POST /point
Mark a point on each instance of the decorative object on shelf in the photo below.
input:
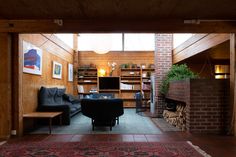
(134, 66)
(143, 66)
(57, 70)
(70, 72)
(152, 66)
(113, 66)
(32, 59)
(92, 65)
(101, 72)
(123, 66)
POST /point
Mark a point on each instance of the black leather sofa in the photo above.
(102, 111)
(55, 99)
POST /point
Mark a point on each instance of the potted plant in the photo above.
(177, 72)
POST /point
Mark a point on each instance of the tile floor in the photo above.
(129, 123)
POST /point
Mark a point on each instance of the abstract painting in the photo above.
(57, 70)
(32, 59)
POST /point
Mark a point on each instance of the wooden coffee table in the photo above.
(48, 115)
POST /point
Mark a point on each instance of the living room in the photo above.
(46, 42)
(85, 61)
(19, 89)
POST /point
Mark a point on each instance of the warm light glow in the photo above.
(221, 68)
(221, 71)
(101, 72)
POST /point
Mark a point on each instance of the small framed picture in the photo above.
(70, 72)
(57, 70)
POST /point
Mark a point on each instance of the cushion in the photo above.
(71, 98)
(46, 96)
(58, 96)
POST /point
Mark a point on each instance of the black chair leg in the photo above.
(93, 124)
(117, 118)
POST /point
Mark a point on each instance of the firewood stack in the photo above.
(176, 118)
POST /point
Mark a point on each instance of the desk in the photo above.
(48, 115)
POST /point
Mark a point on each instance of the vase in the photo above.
(111, 73)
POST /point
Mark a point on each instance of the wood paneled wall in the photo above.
(5, 85)
(197, 44)
(53, 50)
(120, 57)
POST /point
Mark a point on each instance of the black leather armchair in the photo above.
(55, 99)
(103, 112)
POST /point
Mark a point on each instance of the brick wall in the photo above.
(163, 62)
(207, 103)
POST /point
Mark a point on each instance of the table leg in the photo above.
(60, 119)
(50, 125)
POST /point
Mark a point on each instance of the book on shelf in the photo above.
(80, 88)
(126, 86)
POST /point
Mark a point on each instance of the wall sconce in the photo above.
(222, 71)
(101, 72)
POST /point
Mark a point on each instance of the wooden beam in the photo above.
(16, 83)
(199, 44)
(75, 61)
(5, 86)
(139, 25)
(232, 83)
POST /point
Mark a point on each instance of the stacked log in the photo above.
(176, 118)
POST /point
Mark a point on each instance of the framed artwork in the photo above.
(57, 70)
(70, 72)
(32, 59)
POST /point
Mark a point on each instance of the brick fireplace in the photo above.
(207, 104)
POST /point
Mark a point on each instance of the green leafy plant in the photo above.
(177, 72)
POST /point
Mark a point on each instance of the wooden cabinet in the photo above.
(146, 82)
(87, 80)
(134, 80)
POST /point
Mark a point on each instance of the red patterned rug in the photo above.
(98, 149)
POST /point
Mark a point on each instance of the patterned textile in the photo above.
(98, 149)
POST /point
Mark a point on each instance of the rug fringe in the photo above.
(1, 143)
(198, 149)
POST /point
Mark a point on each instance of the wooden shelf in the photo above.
(222, 73)
(130, 90)
(92, 82)
(130, 69)
(130, 82)
(146, 90)
(148, 69)
(109, 90)
(131, 76)
(146, 82)
(88, 78)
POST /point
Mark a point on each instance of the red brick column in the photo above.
(163, 62)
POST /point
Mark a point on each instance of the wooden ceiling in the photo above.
(118, 9)
(217, 55)
(120, 15)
